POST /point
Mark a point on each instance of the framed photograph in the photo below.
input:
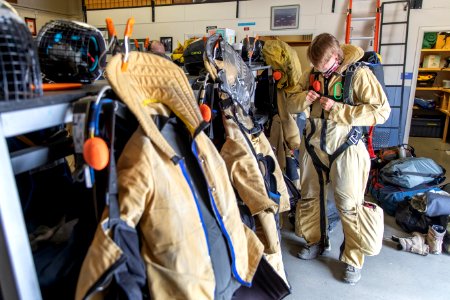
(284, 17)
(167, 42)
(31, 24)
(134, 48)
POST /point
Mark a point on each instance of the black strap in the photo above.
(348, 80)
(225, 103)
(272, 93)
(323, 225)
(353, 137)
(310, 149)
(320, 168)
(203, 125)
(325, 93)
(112, 188)
(400, 173)
(323, 134)
(210, 89)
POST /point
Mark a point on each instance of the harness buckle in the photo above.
(355, 136)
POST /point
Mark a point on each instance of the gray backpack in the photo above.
(409, 172)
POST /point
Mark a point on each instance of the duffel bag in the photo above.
(409, 172)
(390, 195)
(433, 203)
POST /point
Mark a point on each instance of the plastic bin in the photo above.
(426, 127)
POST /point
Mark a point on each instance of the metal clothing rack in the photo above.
(18, 278)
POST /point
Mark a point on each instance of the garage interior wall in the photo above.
(46, 10)
(180, 21)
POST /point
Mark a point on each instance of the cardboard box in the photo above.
(431, 61)
(228, 35)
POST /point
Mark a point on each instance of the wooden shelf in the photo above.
(435, 50)
(428, 89)
(436, 88)
(434, 70)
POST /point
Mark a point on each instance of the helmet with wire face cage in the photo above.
(71, 51)
(20, 76)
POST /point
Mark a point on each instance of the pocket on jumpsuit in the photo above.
(371, 228)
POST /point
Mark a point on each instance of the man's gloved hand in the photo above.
(415, 244)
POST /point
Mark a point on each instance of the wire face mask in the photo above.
(331, 70)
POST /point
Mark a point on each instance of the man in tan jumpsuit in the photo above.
(330, 125)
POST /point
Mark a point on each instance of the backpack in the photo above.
(388, 154)
(371, 60)
(411, 220)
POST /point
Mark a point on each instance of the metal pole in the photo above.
(18, 278)
(153, 11)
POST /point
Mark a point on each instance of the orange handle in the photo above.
(129, 27)
(147, 42)
(136, 43)
(316, 86)
(111, 29)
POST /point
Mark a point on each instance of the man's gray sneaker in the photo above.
(311, 251)
(352, 275)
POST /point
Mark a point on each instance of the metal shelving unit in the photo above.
(18, 278)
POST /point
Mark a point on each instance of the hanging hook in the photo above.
(128, 32)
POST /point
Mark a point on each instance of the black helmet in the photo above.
(71, 51)
(193, 57)
(20, 76)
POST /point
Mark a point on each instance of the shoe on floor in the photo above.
(311, 251)
(352, 275)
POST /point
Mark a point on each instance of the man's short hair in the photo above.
(322, 48)
(157, 47)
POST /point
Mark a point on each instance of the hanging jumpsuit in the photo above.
(325, 132)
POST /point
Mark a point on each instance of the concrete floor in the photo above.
(390, 275)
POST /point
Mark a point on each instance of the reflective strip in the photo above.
(188, 180)
(222, 225)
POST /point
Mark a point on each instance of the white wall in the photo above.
(315, 17)
(46, 10)
(177, 21)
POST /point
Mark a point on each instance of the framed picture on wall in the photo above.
(284, 17)
(31, 24)
(167, 42)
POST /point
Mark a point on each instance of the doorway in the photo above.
(429, 108)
